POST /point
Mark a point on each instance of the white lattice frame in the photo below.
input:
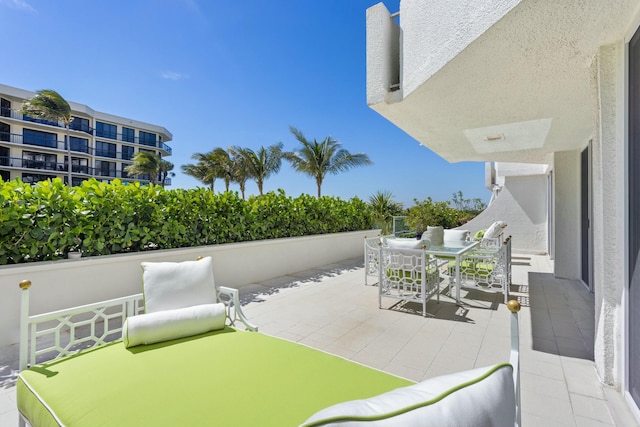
(488, 268)
(34, 328)
(371, 252)
(407, 275)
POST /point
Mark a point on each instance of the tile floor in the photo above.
(331, 309)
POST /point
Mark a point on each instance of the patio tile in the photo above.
(588, 422)
(7, 400)
(547, 369)
(582, 378)
(547, 409)
(573, 348)
(535, 420)
(544, 386)
(404, 371)
(9, 418)
(445, 364)
(589, 407)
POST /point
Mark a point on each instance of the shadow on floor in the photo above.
(259, 292)
(562, 316)
(447, 309)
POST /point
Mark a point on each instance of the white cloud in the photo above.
(18, 4)
(172, 75)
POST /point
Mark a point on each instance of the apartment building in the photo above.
(102, 145)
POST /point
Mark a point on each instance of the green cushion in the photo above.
(396, 275)
(226, 378)
(479, 235)
(464, 265)
(485, 266)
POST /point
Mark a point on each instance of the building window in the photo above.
(124, 173)
(5, 107)
(78, 165)
(147, 138)
(44, 139)
(79, 144)
(5, 160)
(5, 132)
(127, 152)
(41, 121)
(33, 160)
(105, 149)
(128, 135)
(80, 124)
(105, 168)
(74, 181)
(32, 178)
(106, 130)
(5, 175)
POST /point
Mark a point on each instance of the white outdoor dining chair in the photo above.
(407, 274)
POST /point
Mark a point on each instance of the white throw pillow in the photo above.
(172, 324)
(494, 230)
(480, 397)
(405, 244)
(456, 236)
(171, 285)
(434, 235)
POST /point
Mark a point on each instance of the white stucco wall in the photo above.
(435, 32)
(522, 204)
(608, 166)
(567, 214)
(521, 169)
(383, 53)
(66, 283)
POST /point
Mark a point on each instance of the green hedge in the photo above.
(430, 213)
(46, 220)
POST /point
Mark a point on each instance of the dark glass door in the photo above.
(585, 221)
(633, 360)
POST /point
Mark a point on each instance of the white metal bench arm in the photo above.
(53, 335)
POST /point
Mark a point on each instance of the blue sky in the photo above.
(237, 72)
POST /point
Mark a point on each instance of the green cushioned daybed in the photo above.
(227, 378)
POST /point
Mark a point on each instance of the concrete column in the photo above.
(609, 206)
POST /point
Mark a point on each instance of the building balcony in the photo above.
(76, 126)
(45, 143)
(43, 165)
(508, 81)
(73, 126)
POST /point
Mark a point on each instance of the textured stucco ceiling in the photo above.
(523, 89)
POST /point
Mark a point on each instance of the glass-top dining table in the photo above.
(452, 251)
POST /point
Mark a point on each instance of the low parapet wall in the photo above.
(69, 283)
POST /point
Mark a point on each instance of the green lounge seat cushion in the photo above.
(225, 377)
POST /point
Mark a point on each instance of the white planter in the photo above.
(74, 255)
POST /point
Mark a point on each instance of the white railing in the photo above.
(49, 336)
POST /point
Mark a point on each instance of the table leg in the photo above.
(458, 279)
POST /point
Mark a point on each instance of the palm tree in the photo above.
(49, 105)
(200, 172)
(205, 170)
(225, 167)
(261, 164)
(145, 163)
(239, 170)
(165, 171)
(318, 159)
(384, 208)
